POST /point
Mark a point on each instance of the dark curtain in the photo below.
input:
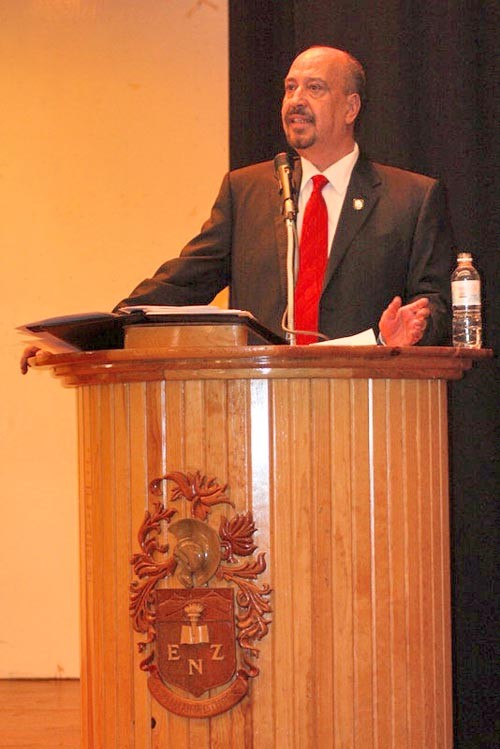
(432, 109)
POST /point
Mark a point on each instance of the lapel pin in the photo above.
(358, 204)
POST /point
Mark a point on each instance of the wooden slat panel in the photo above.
(171, 727)
(341, 568)
(321, 545)
(361, 567)
(137, 450)
(249, 485)
(237, 726)
(433, 459)
(95, 541)
(175, 428)
(383, 685)
(281, 534)
(438, 439)
(215, 417)
(347, 483)
(85, 489)
(254, 400)
(155, 458)
(195, 456)
(428, 652)
(108, 626)
(300, 451)
(121, 506)
(398, 555)
(413, 474)
(445, 598)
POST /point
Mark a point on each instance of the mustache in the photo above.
(299, 110)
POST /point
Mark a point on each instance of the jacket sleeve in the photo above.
(202, 269)
(431, 264)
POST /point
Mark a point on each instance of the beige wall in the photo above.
(110, 108)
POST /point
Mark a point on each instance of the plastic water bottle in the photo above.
(466, 302)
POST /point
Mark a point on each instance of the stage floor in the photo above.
(38, 714)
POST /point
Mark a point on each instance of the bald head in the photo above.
(323, 91)
(344, 63)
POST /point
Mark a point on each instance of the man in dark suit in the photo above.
(390, 241)
(389, 235)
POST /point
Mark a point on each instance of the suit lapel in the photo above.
(361, 197)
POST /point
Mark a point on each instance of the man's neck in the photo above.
(322, 160)
(338, 174)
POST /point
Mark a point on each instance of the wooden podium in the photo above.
(339, 457)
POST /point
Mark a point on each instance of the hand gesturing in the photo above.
(404, 325)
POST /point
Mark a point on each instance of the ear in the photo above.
(353, 107)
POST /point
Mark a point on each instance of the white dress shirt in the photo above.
(338, 176)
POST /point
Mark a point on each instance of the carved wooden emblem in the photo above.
(198, 606)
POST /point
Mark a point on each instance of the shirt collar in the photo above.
(338, 174)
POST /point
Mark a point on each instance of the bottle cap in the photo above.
(464, 256)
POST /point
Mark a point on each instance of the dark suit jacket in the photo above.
(398, 242)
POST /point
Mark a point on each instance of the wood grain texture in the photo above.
(40, 714)
(253, 362)
(347, 481)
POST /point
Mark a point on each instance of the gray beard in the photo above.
(301, 141)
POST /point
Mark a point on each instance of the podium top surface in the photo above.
(259, 362)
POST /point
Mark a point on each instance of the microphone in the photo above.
(283, 170)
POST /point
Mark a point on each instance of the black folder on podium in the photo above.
(95, 331)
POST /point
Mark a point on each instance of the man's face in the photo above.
(317, 113)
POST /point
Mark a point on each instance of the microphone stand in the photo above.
(292, 244)
(283, 170)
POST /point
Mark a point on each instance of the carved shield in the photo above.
(196, 642)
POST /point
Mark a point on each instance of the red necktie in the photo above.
(312, 262)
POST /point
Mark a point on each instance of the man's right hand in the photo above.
(27, 354)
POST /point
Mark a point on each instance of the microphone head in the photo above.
(283, 172)
(282, 159)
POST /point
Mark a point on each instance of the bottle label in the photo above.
(465, 293)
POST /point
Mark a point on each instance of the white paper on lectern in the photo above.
(201, 309)
(365, 338)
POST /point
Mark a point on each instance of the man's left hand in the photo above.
(404, 325)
